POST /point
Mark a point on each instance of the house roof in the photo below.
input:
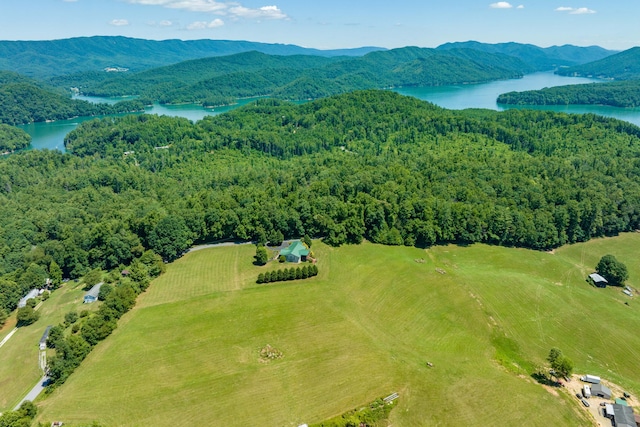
(598, 278)
(623, 416)
(296, 248)
(93, 292)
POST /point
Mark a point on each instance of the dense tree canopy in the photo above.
(613, 270)
(615, 94)
(367, 165)
(12, 138)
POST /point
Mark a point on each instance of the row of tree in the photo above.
(288, 274)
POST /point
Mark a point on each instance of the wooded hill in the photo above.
(366, 165)
(615, 94)
(213, 81)
(538, 58)
(80, 54)
(621, 66)
(26, 103)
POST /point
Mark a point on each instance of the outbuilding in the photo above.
(43, 340)
(623, 416)
(32, 294)
(92, 295)
(597, 280)
(601, 390)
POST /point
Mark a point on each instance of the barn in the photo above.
(295, 252)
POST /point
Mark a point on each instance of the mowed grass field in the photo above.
(19, 366)
(365, 327)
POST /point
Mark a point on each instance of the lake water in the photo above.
(51, 135)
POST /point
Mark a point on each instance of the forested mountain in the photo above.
(81, 54)
(615, 94)
(621, 66)
(304, 77)
(25, 103)
(373, 164)
(538, 58)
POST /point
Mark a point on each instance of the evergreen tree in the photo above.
(55, 274)
(261, 255)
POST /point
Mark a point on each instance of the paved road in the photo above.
(217, 245)
(35, 391)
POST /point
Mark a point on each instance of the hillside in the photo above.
(26, 103)
(621, 66)
(483, 316)
(305, 77)
(538, 58)
(75, 55)
(615, 94)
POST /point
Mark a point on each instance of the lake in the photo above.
(51, 135)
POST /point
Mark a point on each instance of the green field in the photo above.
(19, 370)
(188, 354)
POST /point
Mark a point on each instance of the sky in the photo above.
(331, 24)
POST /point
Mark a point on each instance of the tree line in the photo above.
(366, 165)
(615, 94)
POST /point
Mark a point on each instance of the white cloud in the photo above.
(119, 22)
(501, 5)
(165, 23)
(266, 12)
(582, 11)
(520, 7)
(575, 11)
(201, 25)
(232, 9)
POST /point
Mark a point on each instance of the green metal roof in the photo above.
(621, 402)
(296, 248)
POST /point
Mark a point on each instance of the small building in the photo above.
(32, 294)
(92, 295)
(621, 402)
(597, 280)
(601, 390)
(591, 379)
(43, 340)
(623, 416)
(295, 252)
(628, 293)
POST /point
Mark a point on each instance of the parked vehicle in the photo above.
(585, 403)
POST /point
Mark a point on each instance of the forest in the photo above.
(615, 94)
(365, 165)
(26, 103)
(12, 138)
(211, 81)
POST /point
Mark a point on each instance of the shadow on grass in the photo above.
(545, 380)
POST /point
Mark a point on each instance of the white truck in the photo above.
(586, 391)
(591, 379)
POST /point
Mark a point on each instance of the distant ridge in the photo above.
(621, 66)
(81, 54)
(540, 59)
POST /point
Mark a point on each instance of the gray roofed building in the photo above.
(92, 295)
(598, 280)
(43, 340)
(32, 294)
(623, 416)
(601, 390)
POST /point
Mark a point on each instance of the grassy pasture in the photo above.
(188, 354)
(19, 370)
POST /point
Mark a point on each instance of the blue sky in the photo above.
(331, 23)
